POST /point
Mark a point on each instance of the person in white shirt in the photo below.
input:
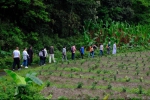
(114, 48)
(16, 57)
(25, 57)
(64, 56)
(101, 49)
(45, 52)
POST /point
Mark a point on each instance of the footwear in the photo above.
(13, 69)
(26, 67)
(21, 65)
(19, 69)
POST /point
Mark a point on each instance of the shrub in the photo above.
(2, 63)
(94, 85)
(80, 84)
(140, 90)
(141, 79)
(48, 83)
(98, 71)
(109, 86)
(124, 89)
(71, 75)
(147, 73)
(75, 69)
(127, 78)
(26, 87)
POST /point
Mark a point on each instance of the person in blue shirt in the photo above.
(82, 51)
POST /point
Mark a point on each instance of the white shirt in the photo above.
(16, 53)
(101, 47)
(114, 46)
(64, 51)
(45, 51)
(25, 55)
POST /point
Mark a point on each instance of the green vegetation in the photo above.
(70, 82)
(25, 87)
(82, 23)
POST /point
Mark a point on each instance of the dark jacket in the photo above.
(51, 50)
(30, 52)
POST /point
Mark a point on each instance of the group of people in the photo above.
(28, 54)
(43, 54)
(108, 47)
(27, 57)
(91, 50)
(101, 49)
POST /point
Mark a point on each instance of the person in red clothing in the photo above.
(73, 50)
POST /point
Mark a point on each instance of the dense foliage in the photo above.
(66, 22)
(21, 87)
(132, 11)
(26, 22)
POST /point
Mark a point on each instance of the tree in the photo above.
(68, 15)
(131, 11)
(141, 10)
(116, 10)
(24, 13)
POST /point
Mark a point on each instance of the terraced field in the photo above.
(122, 76)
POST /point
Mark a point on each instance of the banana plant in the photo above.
(117, 31)
(88, 40)
(23, 82)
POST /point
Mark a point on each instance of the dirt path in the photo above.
(2, 73)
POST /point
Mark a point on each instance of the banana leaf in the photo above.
(19, 80)
(32, 77)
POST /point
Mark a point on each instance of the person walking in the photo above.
(51, 54)
(64, 55)
(45, 52)
(41, 55)
(73, 50)
(108, 48)
(114, 48)
(101, 49)
(30, 52)
(16, 57)
(82, 51)
(25, 57)
(92, 51)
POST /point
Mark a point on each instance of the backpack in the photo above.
(40, 53)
